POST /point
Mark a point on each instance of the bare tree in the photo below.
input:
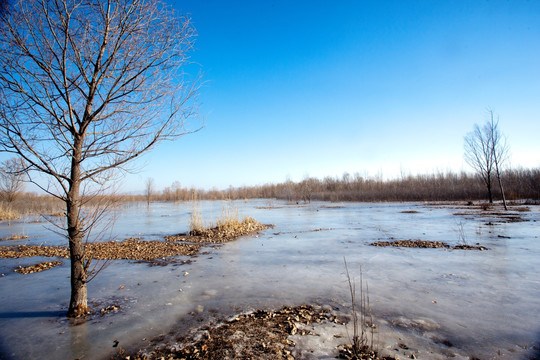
(479, 156)
(485, 151)
(85, 88)
(499, 148)
(12, 177)
(149, 189)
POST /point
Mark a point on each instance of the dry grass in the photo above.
(8, 214)
(196, 222)
(229, 226)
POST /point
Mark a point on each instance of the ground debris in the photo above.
(129, 249)
(412, 244)
(37, 267)
(262, 334)
(135, 249)
(428, 244)
(33, 250)
(470, 247)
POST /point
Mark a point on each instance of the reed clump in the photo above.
(229, 226)
(361, 346)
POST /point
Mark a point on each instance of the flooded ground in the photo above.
(433, 303)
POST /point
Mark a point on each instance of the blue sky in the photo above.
(319, 88)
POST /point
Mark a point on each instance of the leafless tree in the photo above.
(86, 87)
(485, 152)
(500, 150)
(479, 156)
(149, 189)
(12, 177)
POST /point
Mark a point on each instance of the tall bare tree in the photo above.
(12, 177)
(86, 86)
(485, 152)
(500, 150)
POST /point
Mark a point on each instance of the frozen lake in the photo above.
(441, 303)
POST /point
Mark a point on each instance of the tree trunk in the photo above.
(488, 185)
(501, 186)
(78, 305)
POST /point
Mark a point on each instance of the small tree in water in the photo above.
(85, 88)
(485, 152)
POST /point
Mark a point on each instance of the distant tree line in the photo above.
(449, 186)
(520, 184)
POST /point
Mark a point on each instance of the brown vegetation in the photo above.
(229, 226)
(225, 231)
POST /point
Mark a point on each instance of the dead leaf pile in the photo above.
(412, 244)
(428, 244)
(135, 249)
(33, 250)
(37, 267)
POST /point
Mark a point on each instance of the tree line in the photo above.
(448, 186)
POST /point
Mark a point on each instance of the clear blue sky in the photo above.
(319, 88)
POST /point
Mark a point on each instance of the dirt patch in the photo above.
(412, 244)
(427, 244)
(37, 267)
(259, 335)
(470, 247)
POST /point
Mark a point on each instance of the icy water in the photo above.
(436, 303)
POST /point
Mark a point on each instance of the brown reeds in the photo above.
(230, 225)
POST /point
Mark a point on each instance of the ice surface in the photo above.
(437, 303)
